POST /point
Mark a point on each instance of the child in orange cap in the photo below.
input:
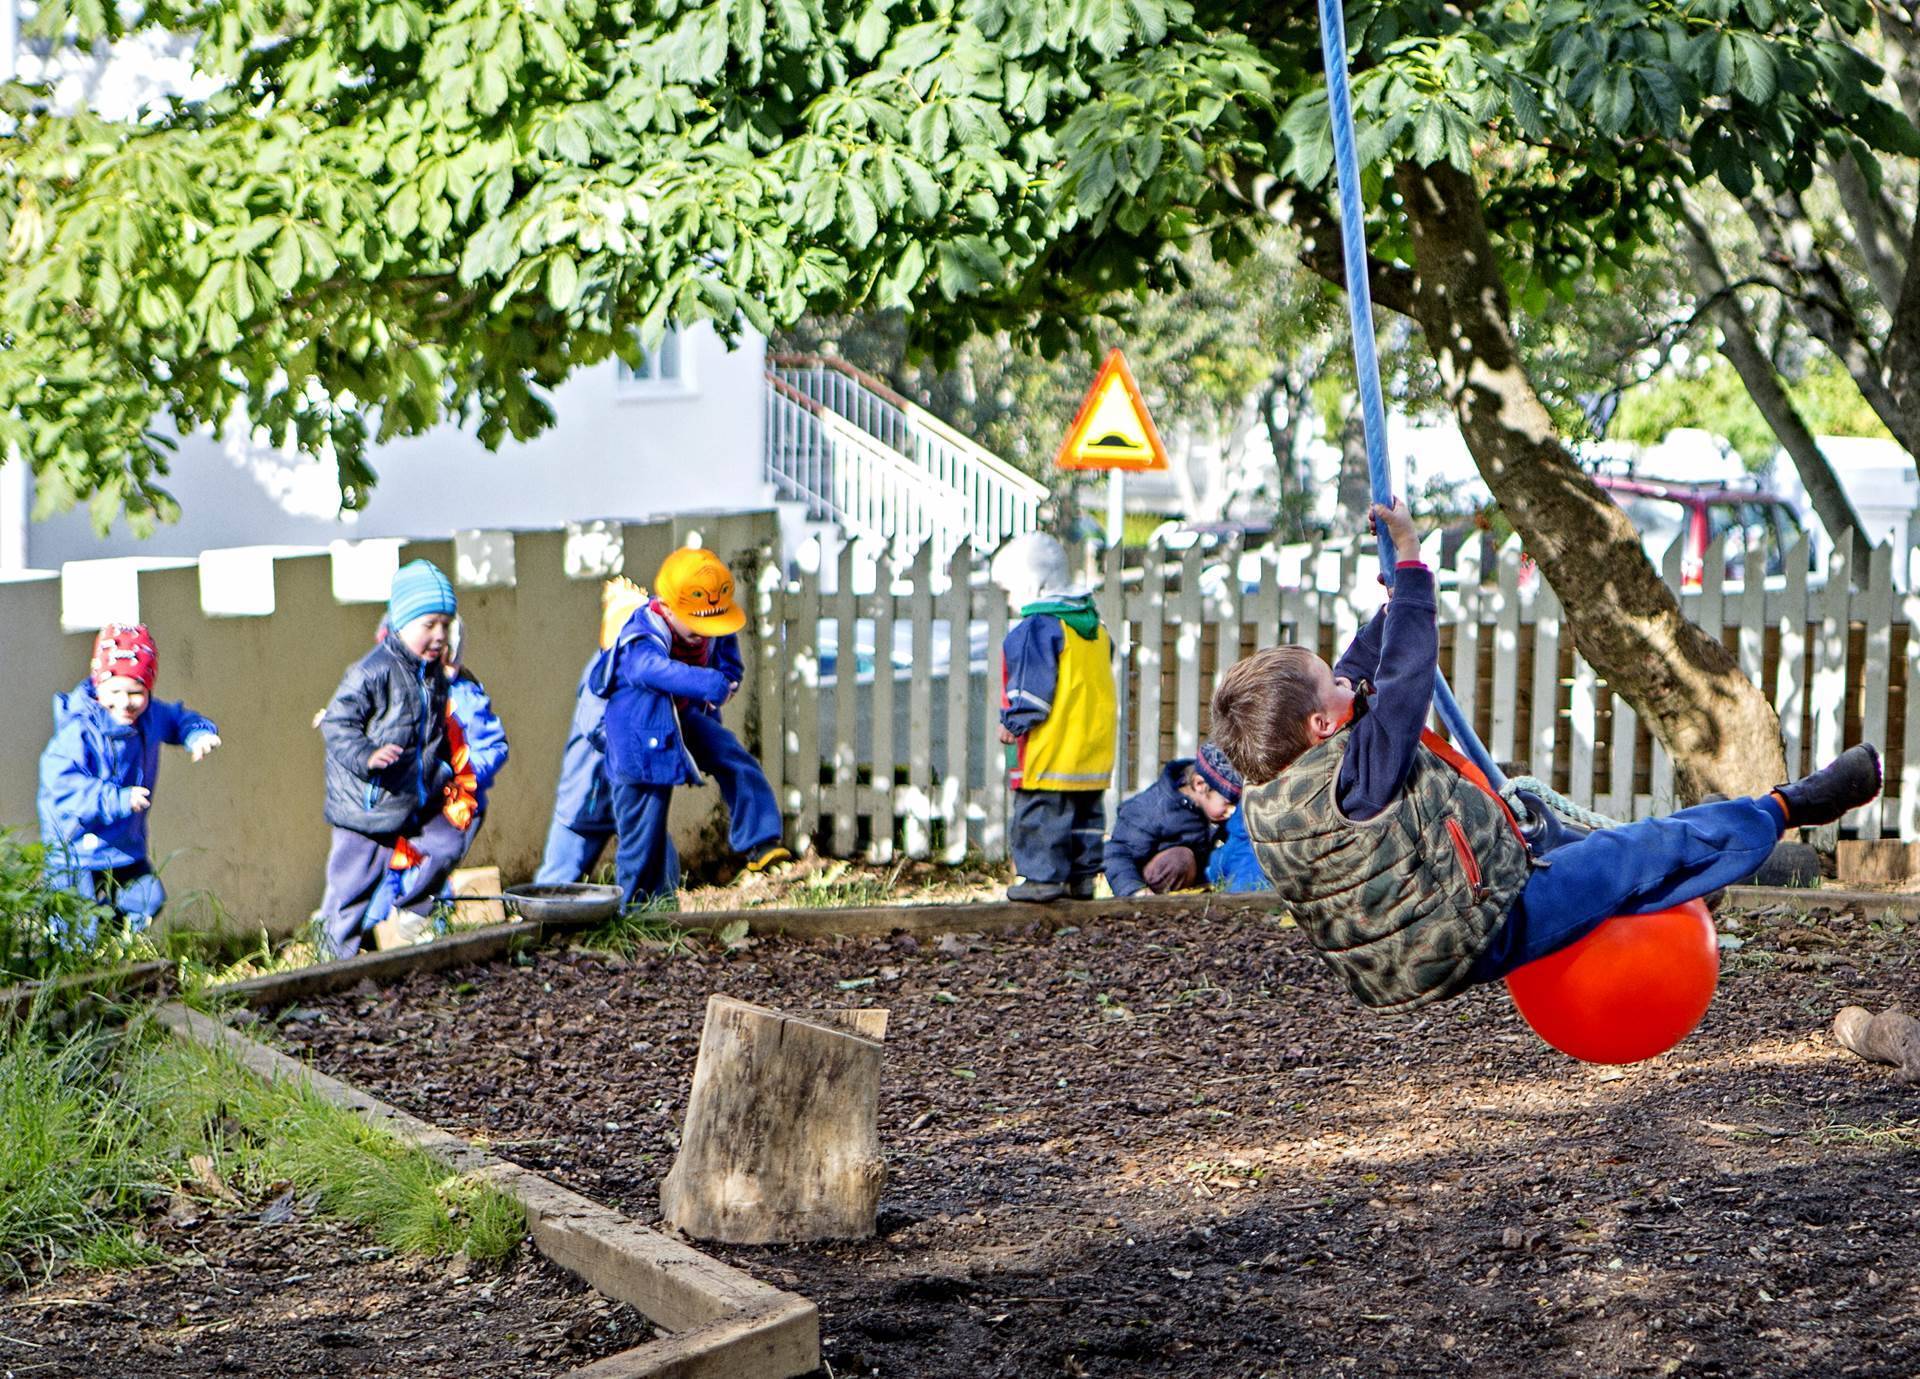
(670, 668)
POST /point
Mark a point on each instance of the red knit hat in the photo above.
(125, 649)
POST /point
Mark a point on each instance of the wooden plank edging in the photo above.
(726, 1324)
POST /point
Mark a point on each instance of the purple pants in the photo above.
(357, 864)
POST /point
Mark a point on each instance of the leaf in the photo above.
(1430, 135)
(563, 281)
(862, 222)
(283, 266)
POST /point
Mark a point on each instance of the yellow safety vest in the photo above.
(1072, 748)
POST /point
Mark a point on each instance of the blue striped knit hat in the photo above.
(419, 591)
(1218, 772)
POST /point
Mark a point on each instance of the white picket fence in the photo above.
(901, 758)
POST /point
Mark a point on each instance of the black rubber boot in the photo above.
(1847, 782)
(1080, 888)
(1037, 892)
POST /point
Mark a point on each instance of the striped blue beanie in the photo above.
(419, 591)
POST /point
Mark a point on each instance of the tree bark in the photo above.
(1715, 724)
(1354, 494)
(1903, 346)
(781, 1141)
(1872, 219)
(1742, 348)
(1822, 302)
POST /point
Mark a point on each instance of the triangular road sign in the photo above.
(1112, 430)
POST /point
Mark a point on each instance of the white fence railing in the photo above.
(885, 703)
(997, 500)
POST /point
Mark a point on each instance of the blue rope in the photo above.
(1366, 356)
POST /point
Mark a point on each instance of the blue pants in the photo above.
(570, 854)
(1632, 869)
(398, 883)
(356, 867)
(753, 815)
(644, 862)
(1056, 834)
(134, 892)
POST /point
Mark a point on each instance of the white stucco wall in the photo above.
(618, 449)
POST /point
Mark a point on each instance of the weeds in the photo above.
(97, 1128)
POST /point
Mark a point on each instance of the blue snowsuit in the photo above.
(583, 802)
(486, 739)
(662, 729)
(86, 773)
(1233, 867)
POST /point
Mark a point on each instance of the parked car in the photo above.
(1744, 517)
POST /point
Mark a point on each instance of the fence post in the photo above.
(1506, 656)
(846, 695)
(803, 680)
(1546, 686)
(1112, 603)
(954, 794)
(920, 706)
(1790, 682)
(1186, 655)
(881, 807)
(1147, 656)
(993, 833)
(1877, 674)
(772, 650)
(1830, 667)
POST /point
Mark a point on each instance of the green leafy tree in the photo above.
(396, 213)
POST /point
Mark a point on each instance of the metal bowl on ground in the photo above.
(572, 904)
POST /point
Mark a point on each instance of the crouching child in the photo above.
(1164, 836)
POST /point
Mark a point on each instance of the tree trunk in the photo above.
(1903, 344)
(1742, 349)
(1715, 724)
(781, 1142)
(1873, 229)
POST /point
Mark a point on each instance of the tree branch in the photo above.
(1871, 227)
(1742, 349)
(1391, 285)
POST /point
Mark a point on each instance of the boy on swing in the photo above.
(1406, 872)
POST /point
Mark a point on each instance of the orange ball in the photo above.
(1634, 987)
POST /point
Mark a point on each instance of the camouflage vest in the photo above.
(1400, 905)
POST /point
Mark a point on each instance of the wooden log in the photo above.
(781, 1142)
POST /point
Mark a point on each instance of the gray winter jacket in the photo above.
(387, 696)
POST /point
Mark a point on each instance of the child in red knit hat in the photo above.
(98, 774)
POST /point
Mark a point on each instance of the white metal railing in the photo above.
(997, 499)
(846, 475)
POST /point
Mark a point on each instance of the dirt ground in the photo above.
(300, 1297)
(1171, 1147)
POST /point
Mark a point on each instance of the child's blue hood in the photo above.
(82, 706)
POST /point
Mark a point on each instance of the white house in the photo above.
(684, 433)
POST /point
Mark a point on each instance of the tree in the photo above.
(395, 213)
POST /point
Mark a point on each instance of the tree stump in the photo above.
(781, 1142)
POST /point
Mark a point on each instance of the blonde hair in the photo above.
(1261, 709)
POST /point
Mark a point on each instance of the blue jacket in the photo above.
(1157, 818)
(583, 801)
(88, 769)
(1032, 655)
(1233, 866)
(486, 737)
(641, 681)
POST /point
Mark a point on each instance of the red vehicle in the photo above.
(1745, 517)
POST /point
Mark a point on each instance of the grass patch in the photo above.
(1902, 1134)
(98, 1129)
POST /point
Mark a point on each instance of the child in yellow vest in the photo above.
(1057, 712)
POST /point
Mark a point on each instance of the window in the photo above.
(662, 372)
